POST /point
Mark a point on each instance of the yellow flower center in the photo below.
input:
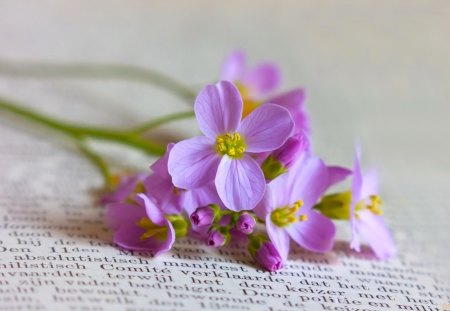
(231, 144)
(285, 216)
(374, 205)
(152, 230)
(249, 103)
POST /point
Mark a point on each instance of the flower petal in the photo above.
(307, 180)
(118, 214)
(337, 174)
(370, 183)
(294, 101)
(240, 183)
(357, 181)
(129, 237)
(160, 165)
(315, 234)
(266, 128)
(160, 188)
(233, 67)
(193, 163)
(218, 109)
(262, 79)
(279, 238)
(376, 233)
(200, 197)
(152, 211)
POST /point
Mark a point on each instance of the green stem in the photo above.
(99, 71)
(162, 120)
(121, 137)
(99, 162)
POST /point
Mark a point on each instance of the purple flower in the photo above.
(172, 199)
(268, 257)
(223, 155)
(287, 208)
(203, 217)
(257, 83)
(245, 223)
(254, 84)
(128, 185)
(366, 214)
(216, 238)
(141, 226)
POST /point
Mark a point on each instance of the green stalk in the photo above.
(121, 137)
(99, 71)
(162, 120)
(99, 162)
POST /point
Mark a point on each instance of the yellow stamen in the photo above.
(285, 216)
(250, 103)
(231, 144)
(303, 217)
(152, 230)
(373, 206)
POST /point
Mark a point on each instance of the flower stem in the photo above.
(99, 162)
(162, 120)
(118, 136)
(99, 71)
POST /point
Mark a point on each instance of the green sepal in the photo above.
(180, 225)
(335, 206)
(272, 168)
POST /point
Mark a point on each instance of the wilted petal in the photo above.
(279, 238)
(315, 234)
(240, 183)
(262, 79)
(266, 128)
(376, 233)
(218, 109)
(193, 163)
(233, 67)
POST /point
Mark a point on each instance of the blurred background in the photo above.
(374, 71)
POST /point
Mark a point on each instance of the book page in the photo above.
(56, 252)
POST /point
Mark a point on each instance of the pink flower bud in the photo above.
(216, 238)
(202, 218)
(291, 150)
(245, 223)
(268, 257)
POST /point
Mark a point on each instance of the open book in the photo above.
(56, 254)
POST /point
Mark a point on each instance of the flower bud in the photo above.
(218, 237)
(203, 217)
(245, 223)
(284, 157)
(290, 151)
(264, 253)
(268, 257)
